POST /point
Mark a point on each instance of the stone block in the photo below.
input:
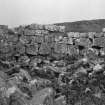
(6, 48)
(11, 38)
(35, 32)
(36, 26)
(38, 39)
(20, 30)
(32, 49)
(60, 100)
(29, 32)
(72, 50)
(26, 39)
(19, 48)
(51, 27)
(44, 49)
(62, 28)
(91, 54)
(91, 35)
(102, 50)
(103, 29)
(98, 35)
(48, 38)
(83, 35)
(55, 28)
(70, 41)
(70, 34)
(76, 35)
(65, 40)
(24, 60)
(51, 45)
(83, 42)
(57, 48)
(42, 32)
(64, 48)
(99, 41)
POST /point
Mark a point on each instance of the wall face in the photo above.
(37, 39)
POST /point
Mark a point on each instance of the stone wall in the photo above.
(37, 39)
(32, 47)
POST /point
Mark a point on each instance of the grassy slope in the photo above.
(84, 26)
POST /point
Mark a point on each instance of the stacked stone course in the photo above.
(37, 39)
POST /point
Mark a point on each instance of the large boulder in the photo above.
(43, 97)
(60, 100)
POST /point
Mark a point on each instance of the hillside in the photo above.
(84, 26)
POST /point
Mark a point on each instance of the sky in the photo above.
(22, 12)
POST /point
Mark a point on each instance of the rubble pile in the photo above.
(66, 68)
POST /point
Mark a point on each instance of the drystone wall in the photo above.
(37, 39)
